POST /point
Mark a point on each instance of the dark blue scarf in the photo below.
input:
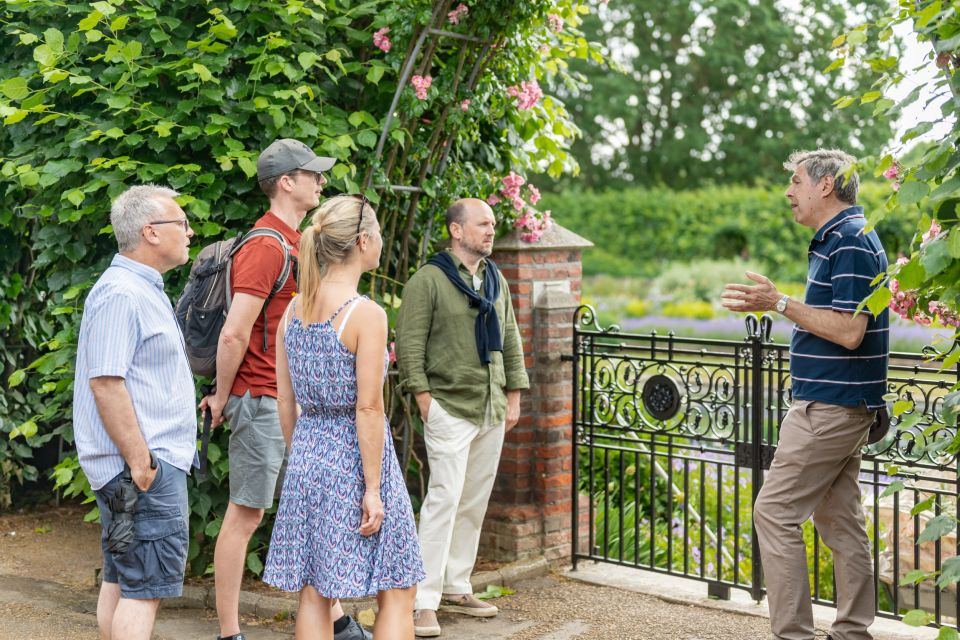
(487, 326)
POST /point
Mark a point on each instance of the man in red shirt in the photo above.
(291, 176)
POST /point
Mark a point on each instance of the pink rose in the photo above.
(931, 234)
(493, 199)
(518, 203)
(421, 84)
(526, 93)
(381, 41)
(465, 104)
(891, 173)
(534, 194)
(555, 22)
(455, 15)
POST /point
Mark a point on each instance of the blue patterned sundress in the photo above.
(315, 537)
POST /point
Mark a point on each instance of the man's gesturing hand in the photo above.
(762, 296)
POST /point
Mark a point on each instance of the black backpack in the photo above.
(203, 306)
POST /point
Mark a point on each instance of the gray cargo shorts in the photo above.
(257, 450)
(154, 565)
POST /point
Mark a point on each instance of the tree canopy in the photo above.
(700, 91)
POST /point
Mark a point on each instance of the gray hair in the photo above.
(829, 162)
(134, 209)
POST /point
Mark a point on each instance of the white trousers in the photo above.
(463, 461)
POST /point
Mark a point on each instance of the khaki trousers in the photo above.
(463, 459)
(814, 472)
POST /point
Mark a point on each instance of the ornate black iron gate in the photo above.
(671, 439)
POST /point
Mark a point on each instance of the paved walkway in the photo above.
(547, 608)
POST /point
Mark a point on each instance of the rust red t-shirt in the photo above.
(256, 268)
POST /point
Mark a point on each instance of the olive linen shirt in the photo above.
(437, 348)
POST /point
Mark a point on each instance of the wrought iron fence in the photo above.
(672, 437)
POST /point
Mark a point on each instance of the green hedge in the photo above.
(638, 231)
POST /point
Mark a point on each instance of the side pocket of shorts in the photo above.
(159, 551)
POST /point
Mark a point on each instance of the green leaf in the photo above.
(936, 257)
(15, 88)
(163, 128)
(870, 96)
(254, 564)
(119, 23)
(937, 528)
(949, 572)
(917, 618)
(912, 192)
(901, 406)
(946, 189)
(247, 166)
(367, 138)
(105, 8)
(28, 38)
(836, 64)
(879, 300)
(16, 378)
(914, 577)
(895, 486)
(911, 275)
(495, 591)
(953, 240)
(114, 133)
(844, 102)
(375, 73)
(202, 72)
(307, 59)
(75, 196)
(92, 19)
(44, 55)
(857, 36)
(838, 41)
(948, 633)
(132, 50)
(213, 527)
(54, 39)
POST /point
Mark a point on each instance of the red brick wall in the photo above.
(530, 510)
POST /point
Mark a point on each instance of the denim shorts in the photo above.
(154, 565)
(257, 450)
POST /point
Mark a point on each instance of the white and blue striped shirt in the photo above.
(129, 331)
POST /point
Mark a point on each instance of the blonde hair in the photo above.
(330, 239)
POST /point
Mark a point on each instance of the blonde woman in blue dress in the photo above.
(344, 527)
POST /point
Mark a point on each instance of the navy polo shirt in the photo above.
(843, 261)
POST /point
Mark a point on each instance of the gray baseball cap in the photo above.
(287, 154)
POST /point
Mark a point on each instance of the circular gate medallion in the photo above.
(661, 398)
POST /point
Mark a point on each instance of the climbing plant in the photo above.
(421, 103)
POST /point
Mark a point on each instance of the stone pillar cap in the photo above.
(558, 237)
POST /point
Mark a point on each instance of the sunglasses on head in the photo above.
(363, 203)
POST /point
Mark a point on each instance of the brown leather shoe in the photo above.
(425, 623)
(467, 604)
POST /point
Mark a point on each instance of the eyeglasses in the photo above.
(319, 177)
(183, 222)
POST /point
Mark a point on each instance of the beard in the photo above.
(477, 248)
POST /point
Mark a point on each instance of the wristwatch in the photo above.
(781, 305)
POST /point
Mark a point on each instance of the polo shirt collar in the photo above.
(292, 236)
(854, 211)
(146, 272)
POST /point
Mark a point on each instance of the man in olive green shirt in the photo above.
(466, 405)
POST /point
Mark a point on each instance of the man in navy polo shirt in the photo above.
(838, 365)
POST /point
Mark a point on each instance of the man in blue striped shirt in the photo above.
(838, 367)
(133, 414)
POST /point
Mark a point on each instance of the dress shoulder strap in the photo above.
(290, 312)
(346, 316)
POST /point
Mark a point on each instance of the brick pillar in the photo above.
(530, 510)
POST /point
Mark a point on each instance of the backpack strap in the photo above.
(289, 263)
(346, 316)
(287, 314)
